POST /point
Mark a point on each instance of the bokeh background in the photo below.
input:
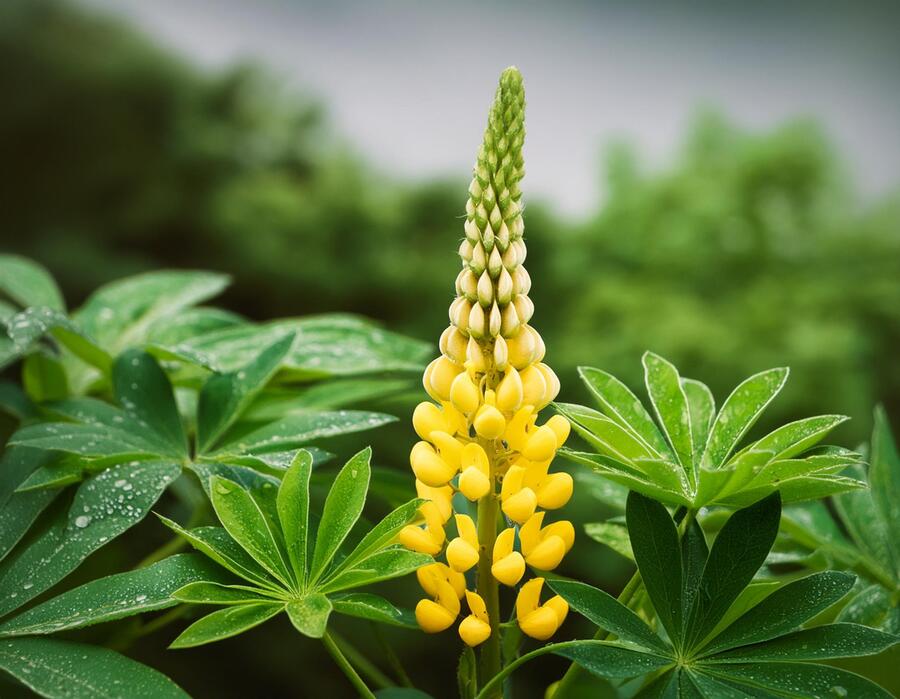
(717, 182)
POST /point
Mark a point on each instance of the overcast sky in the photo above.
(408, 82)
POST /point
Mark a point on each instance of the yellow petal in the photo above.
(559, 606)
(464, 394)
(432, 617)
(474, 484)
(476, 605)
(461, 555)
(466, 528)
(530, 532)
(427, 418)
(489, 422)
(552, 382)
(417, 539)
(429, 468)
(457, 581)
(541, 444)
(429, 576)
(520, 507)
(509, 569)
(554, 491)
(441, 375)
(520, 347)
(442, 498)
(547, 554)
(474, 631)
(455, 419)
(560, 427)
(449, 448)
(528, 598)
(533, 385)
(541, 624)
(517, 428)
(563, 529)
(512, 481)
(503, 546)
(509, 392)
(447, 598)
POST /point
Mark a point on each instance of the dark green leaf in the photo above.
(104, 506)
(608, 613)
(18, 511)
(694, 553)
(65, 670)
(663, 687)
(342, 508)
(226, 623)
(114, 597)
(309, 614)
(798, 679)
(206, 592)
(740, 412)
(606, 659)
(657, 553)
(225, 396)
(364, 605)
(86, 441)
(884, 480)
(738, 552)
(784, 610)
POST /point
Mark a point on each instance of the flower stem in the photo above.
(488, 587)
(346, 667)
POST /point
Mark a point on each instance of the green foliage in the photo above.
(266, 540)
(762, 652)
(691, 458)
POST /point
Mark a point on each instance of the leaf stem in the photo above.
(392, 658)
(488, 587)
(362, 663)
(346, 667)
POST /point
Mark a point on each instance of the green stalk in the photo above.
(362, 663)
(346, 667)
(488, 587)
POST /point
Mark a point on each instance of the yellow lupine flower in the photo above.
(481, 436)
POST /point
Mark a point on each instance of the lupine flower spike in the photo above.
(480, 437)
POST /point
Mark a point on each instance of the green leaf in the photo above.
(608, 613)
(296, 431)
(44, 378)
(606, 659)
(190, 323)
(343, 507)
(865, 525)
(275, 403)
(226, 623)
(671, 406)
(796, 437)
(28, 284)
(144, 392)
(657, 553)
(114, 597)
(30, 326)
(784, 679)
(784, 610)
(243, 518)
(740, 412)
(627, 476)
(293, 512)
(611, 534)
(309, 614)
(702, 411)
(248, 478)
(820, 643)
(873, 607)
(402, 693)
(663, 687)
(104, 506)
(716, 689)
(206, 592)
(384, 565)
(66, 670)
(18, 511)
(884, 481)
(225, 396)
(86, 441)
(738, 552)
(694, 554)
(619, 403)
(14, 402)
(364, 605)
(216, 543)
(604, 434)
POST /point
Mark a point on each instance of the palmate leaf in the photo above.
(19, 510)
(26, 283)
(266, 541)
(693, 459)
(745, 656)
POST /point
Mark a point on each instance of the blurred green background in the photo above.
(748, 249)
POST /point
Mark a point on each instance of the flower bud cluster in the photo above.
(480, 438)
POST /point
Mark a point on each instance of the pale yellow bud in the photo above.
(504, 287)
(476, 321)
(539, 348)
(478, 261)
(521, 346)
(459, 313)
(503, 236)
(521, 280)
(472, 232)
(489, 423)
(495, 263)
(468, 284)
(465, 250)
(439, 377)
(524, 307)
(509, 322)
(534, 387)
(540, 445)
(464, 394)
(501, 354)
(510, 391)
(510, 258)
(453, 344)
(552, 383)
(521, 250)
(427, 418)
(495, 320)
(485, 290)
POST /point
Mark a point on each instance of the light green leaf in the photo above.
(364, 605)
(28, 327)
(619, 403)
(784, 610)
(740, 412)
(864, 523)
(275, 403)
(884, 481)
(657, 553)
(670, 404)
(28, 284)
(342, 508)
(104, 506)
(873, 607)
(702, 410)
(143, 390)
(87, 441)
(248, 478)
(190, 323)
(226, 623)
(114, 597)
(44, 377)
(309, 614)
(224, 397)
(820, 643)
(737, 554)
(384, 565)
(293, 512)
(784, 678)
(626, 475)
(243, 518)
(65, 670)
(207, 592)
(611, 534)
(609, 614)
(296, 431)
(796, 437)
(604, 434)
